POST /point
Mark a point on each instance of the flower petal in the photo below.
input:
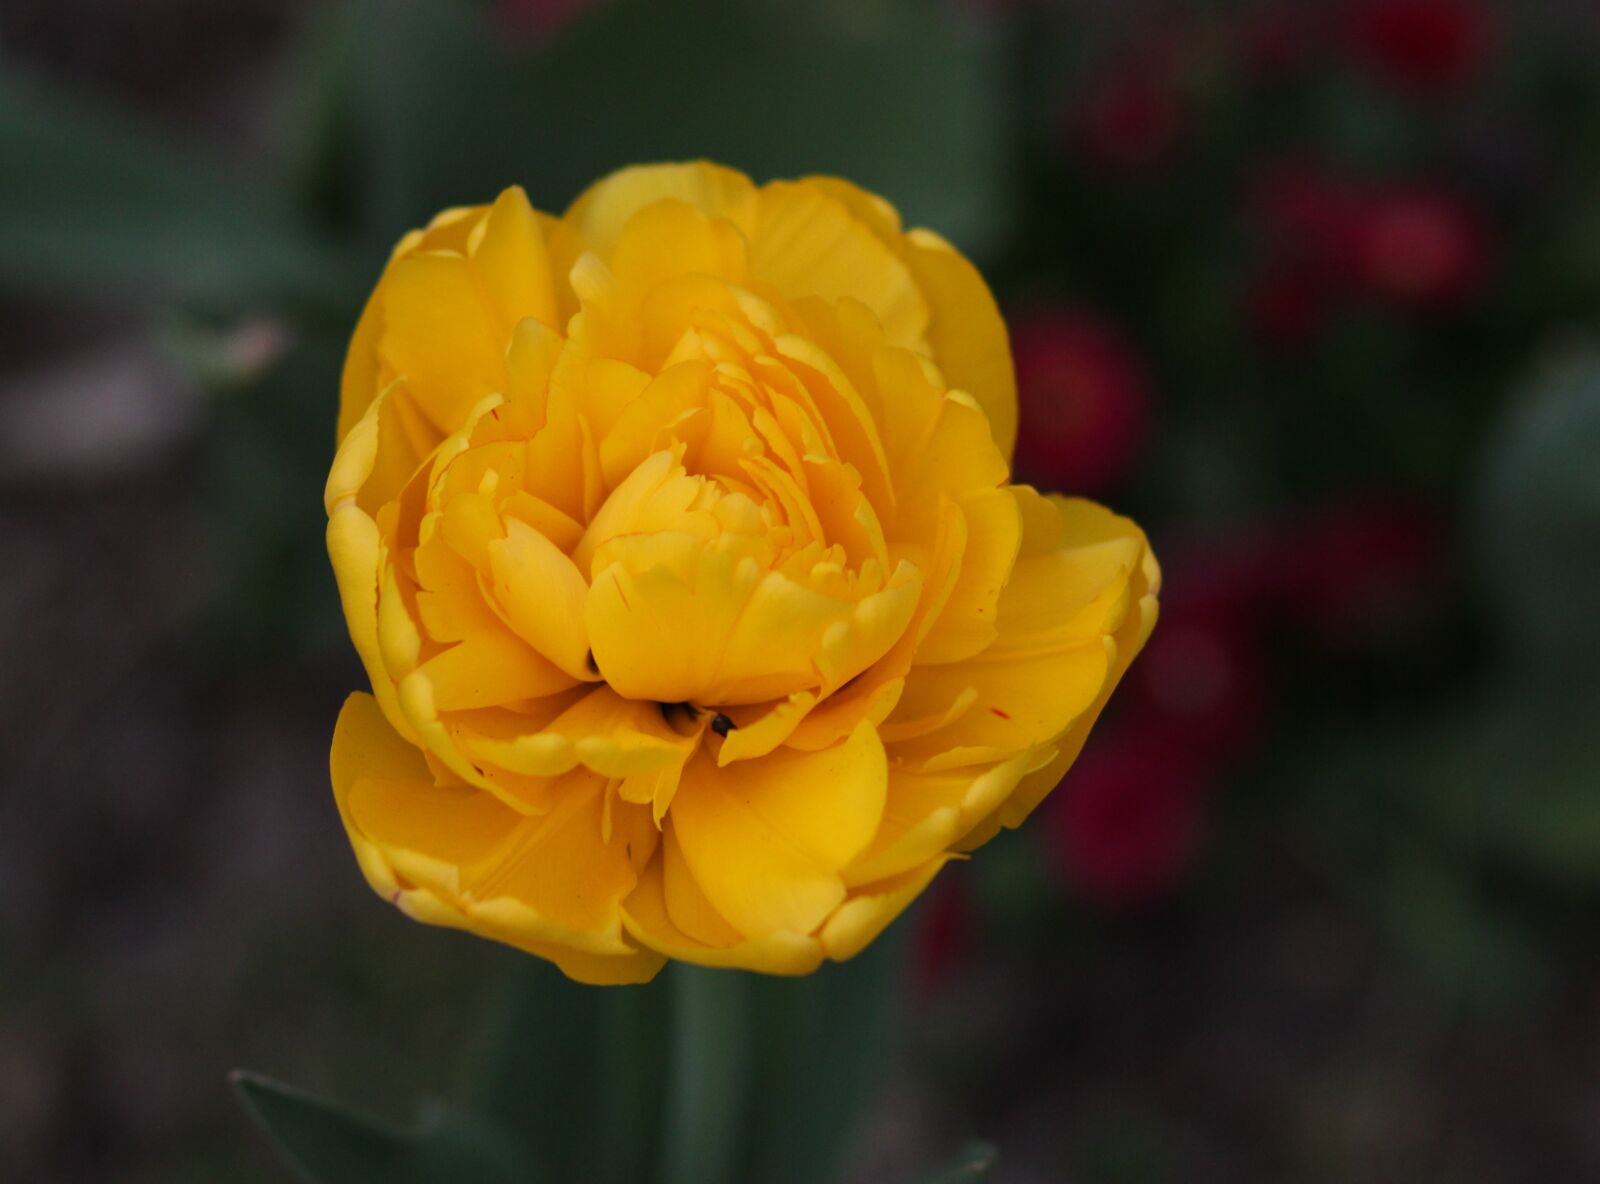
(805, 242)
(418, 842)
(542, 595)
(649, 923)
(508, 251)
(440, 336)
(869, 911)
(767, 839)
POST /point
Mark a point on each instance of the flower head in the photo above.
(677, 539)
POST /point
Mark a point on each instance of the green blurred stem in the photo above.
(707, 1080)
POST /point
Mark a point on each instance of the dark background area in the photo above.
(1311, 290)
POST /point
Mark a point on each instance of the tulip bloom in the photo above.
(677, 538)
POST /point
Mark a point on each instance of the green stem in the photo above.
(708, 1075)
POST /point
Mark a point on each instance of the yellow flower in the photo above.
(677, 539)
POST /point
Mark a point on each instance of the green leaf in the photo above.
(562, 1062)
(893, 96)
(974, 1163)
(632, 1061)
(270, 446)
(1514, 776)
(324, 1143)
(1540, 523)
(442, 114)
(709, 1076)
(823, 1044)
(93, 200)
(1477, 955)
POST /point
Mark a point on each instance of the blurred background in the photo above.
(1310, 289)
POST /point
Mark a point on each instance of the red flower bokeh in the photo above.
(944, 930)
(1309, 219)
(1084, 400)
(1131, 118)
(539, 18)
(1286, 305)
(1201, 682)
(1126, 821)
(1277, 40)
(1421, 44)
(1420, 246)
(1356, 570)
(1411, 245)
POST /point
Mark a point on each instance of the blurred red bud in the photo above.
(538, 18)
(1201, 682)
(1127, 819)
(1309, 220)
(1279, 39)
(1420, 246)
(1130, 120)
(1360, 570)
(1286, 305)
(1084, 401)
(944, 930)
(1421, 44)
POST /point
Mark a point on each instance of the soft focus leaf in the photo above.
(1540, 523)
(708, 1088)
(894, 96)
(822, 1048)
(632, 1058)
(327, 1144)
(974, 1163)
(561, 1061)
(271, 441)
(94, 201)
(441, 116)
(1514, 777)
(1474, 953)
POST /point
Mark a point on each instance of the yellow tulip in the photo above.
(701, 618)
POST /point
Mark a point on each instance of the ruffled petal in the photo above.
(766, 841)
(966, 334)
(440, 336)
(805, 242)
(439, 852)
(651, 925)
(542, 594)
(871, 909)
(597, 219)
(508, 252)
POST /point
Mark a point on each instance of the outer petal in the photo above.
(1058, 648)
(442, 336)
(426, 848)
(508, 252)
(595, 221)
(927, 813)
(649, 923)
(868, 912)
(966, 333)
(766, 840)
(806, 242)
(356, 552)
(1128, 640)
